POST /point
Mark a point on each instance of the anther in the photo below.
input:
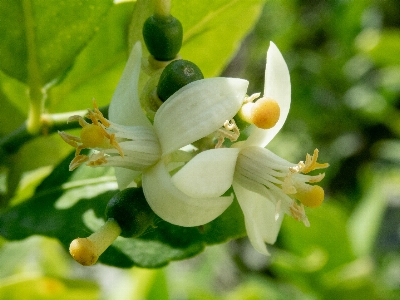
(310, 195)
(229, 130)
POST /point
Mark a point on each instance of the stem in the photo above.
(86, 251)
(34, 75)
(33, 123)
(162, 8)
(49, 123)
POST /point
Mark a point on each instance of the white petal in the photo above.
(208, 174)
(125, 177)
(125, 108)
(277, 87)
(175, 207)
(197, 110)
(259, 216)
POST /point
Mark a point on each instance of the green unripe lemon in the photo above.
(163, 36)
(175, 76)
(131, 211)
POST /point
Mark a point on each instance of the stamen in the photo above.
(311, 163)
(70, 139)
(77, 161)
(116, 145)
(251, 98)
(310, 195)
(97, 159)
(298, 213)
(230, 131)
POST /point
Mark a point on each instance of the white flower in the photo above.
(266, 186)
(129, 142)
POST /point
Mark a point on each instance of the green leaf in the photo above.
(368, 217)
(98, 67)
(212, 30)
(41, 38)
(328, 220)
(43, 287)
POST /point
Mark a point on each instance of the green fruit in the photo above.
(175, 76)
(131, 211)
(163, 36)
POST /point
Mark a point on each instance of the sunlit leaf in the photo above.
(98, 67)
(42, 39)
(42, 287)
(207, 40)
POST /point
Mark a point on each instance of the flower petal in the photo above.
(259, 216)
(277, 87)
(208, 174)
(175, 207)
(125, 177)
(125, 108)
(198, 109)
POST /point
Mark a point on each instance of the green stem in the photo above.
(33, 124)
(49, 123)
(162, 8)
(36, 93)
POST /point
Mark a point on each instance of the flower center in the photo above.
(92, 136)
(295, 181)
(283, 183)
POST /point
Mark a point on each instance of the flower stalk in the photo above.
(162, 8)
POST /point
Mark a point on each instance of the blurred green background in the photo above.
(344, 61)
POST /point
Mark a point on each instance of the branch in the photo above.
(50, 123)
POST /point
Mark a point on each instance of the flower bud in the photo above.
(163, 36)
(130, 210)
(175, 76)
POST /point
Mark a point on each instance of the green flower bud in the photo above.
(130, 210)
(175, 76)
(163, 36)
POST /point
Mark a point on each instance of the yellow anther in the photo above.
(92, 136)
(310, 195)
(298, 213)
(265, 113)
(97, 159)
(77, 161)
(311, 163)
(229, 131)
